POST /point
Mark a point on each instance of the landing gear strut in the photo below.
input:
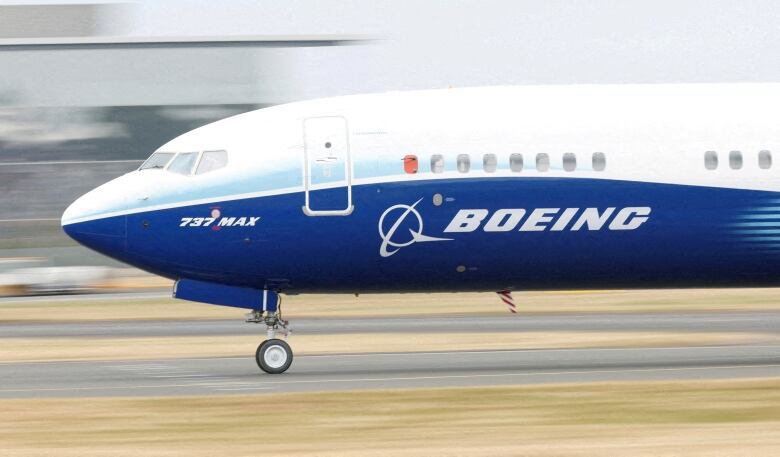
(274, 355)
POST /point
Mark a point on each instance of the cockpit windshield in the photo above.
(212, 160)
(183, 163)
(187, 163)
(157, 160)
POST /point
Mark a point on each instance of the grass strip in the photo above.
(691, 418)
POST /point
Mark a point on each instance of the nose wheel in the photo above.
(274, 356)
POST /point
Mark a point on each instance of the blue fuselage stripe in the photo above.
(694, 236)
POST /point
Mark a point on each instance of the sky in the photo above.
(421, 44)
(456, 42)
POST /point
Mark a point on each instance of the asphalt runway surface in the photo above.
(235, 375)
(338, 372)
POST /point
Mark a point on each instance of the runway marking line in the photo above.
(410, 378)
(242, 388)
(513, 351)
(180, 375)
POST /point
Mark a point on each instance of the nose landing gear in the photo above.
(274, 355)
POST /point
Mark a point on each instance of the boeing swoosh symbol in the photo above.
(386, 248)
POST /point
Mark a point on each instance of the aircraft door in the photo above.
(327, 167)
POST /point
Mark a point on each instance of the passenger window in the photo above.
(516, 162)
(437, 163)
(183, 163)
(464, 163)
(542, 162)
(765, 160)
(489, 163)
(599, 161)
(410, 164)
(735, 160)
(711, 160)
(212, 160)
(157, 160)
(569, 161)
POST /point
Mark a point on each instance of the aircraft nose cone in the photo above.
(92, 221)
(106, 236)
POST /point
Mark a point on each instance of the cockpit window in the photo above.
(212, 160)
(157, 160)
(183, 163)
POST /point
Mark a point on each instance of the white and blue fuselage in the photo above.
(553, 187)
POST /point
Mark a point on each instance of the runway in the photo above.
(235, 375)
(722, 321)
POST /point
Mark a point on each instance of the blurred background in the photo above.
(88, 89)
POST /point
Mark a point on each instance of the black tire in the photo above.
(274, 356)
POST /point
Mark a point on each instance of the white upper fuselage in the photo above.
(648, 133)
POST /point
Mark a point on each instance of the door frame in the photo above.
(307, 175)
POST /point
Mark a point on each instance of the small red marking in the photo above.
(410, 164)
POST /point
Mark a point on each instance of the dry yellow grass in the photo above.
(95, 308)
(537, 302)
(50, 349)
(691, 418)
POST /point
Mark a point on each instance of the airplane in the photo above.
(472, 189)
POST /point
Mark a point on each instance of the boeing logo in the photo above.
(416, 235)
(513, 219)
(549, 219)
